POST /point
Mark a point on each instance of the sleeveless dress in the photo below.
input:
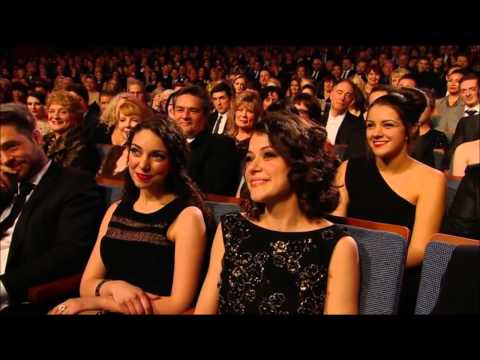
(271, 272)
(371, 198)
(136, 249)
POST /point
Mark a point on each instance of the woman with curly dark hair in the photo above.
(151, 245)
(280, 256)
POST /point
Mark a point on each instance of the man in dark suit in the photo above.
(49, 215)
(213, 164)
(218, 121)
(468, 128)
(342, 127)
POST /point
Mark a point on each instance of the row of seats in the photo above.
(382, 248)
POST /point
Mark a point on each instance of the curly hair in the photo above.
(312, 165)
(178, 181)
(71, 101)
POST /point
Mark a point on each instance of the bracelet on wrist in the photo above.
(100, 284)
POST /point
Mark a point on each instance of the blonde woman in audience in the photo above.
(239, 84)
(466, 154)
(246, 109)
(396, 75)
(391, 187)
(122, 114)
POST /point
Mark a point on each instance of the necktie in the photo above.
(217, 124)
(470, 112)
(25, 189)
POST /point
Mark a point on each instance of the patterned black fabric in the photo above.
(270, 272)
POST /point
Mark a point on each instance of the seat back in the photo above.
(221, 205)
(112, 188)
(382, 261)
(103, 150)
(437, 256)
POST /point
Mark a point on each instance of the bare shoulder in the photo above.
(112, 208)
(428, 176)
(189, 216)
(347, 245)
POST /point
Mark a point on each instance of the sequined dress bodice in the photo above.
(270, 272)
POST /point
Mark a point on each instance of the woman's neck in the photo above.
(149, 200)
(394, 164)
(452, 99)
(242, 134)
(285, 216)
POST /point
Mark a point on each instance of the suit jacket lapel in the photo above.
(46, 184)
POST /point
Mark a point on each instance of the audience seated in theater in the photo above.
(396, 75)
(342, 127)
(50, 235)
(374, 74)
(36, 106)
(213, 164)
(427, 140)
(239, 84)
(389, 186)
(221, 120)
(407, 81)
(92, 112)
(358, 105)
(136, 88)
(308, 108)
(449, 109)
(152, 243)
(124, 112)
(465, 155)
(463, 217)
(280, 256)
(468, 128)
(66, 144)
(247, 109)
(293, 87)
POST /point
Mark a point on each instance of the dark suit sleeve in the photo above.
(221, 171)
(357, 144)
(463, 218)
(61, 235)
(458, 138)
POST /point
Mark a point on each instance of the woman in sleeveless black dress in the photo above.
(152, 243)
(391, 187)
(281, 256)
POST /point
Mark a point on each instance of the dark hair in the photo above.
(220, 87)
(408, 76)
(178, 181)
(108, 93)
(312, 166)
(469, 76)
(80, 90)
(37, 95)
(311, 103)
(196, 91)
(408, 103)
(18, 116)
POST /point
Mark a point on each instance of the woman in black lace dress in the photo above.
(280, 256)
